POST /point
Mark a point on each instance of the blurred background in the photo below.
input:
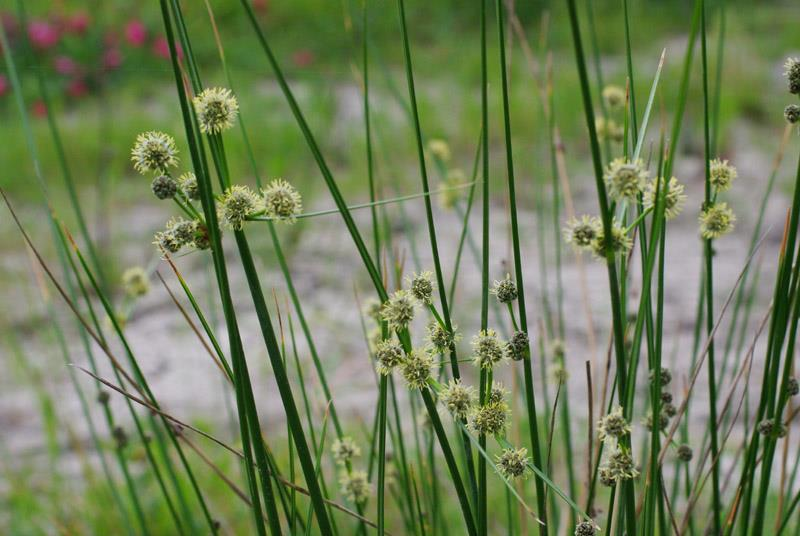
(104, 67)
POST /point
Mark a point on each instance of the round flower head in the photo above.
(614, 96)
(620, 241)
(505, 289)
(216, 108)
(439, 149)
(439, 338)
(792, 113)
(625, 179)
(164, 187)
(614, 425)
(685, 453)
(582, 232)
(202, 240)
(608, 130)
(559, 374)
(416, 369)
(487, 349)
(669, 409)
(666, 376)
(355, 486)
(421, 286)
(135, 282)
(154, 151)
(666, 398)
(235, 205)
(389, 355)
(166, 241)
(518, 348)
(513, 463)
(792, 388)
(586, 528)
(398, 311)
(769, 427)
(103, 397)
(188, 185)
(282, 202)
(452, 191)
(458, 398)
(620, 465)
(674, 198)
(663, 420)
(606, 478)
(489, 419)
(344, 450)
(182, 230)
(792, 72)
(721, 174)
(497, 393)
(716, 220)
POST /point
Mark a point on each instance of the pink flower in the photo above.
(161, 48)
(77, 23)
(112, 59)
(39, 108)
(77, 88)
(4, 86)
(65, 65)
(42, 34)
(135, 33)
(303, 57)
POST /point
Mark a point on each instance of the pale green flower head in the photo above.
(614, 97)
(620, 241)
(135, 282)
(440, 149)
(458, 398)
(487, 349)
(675, 198)
(355, 486)
(582, 232)
(625, 179)
(399, 309)
(613, 426)
(282, 202)
(421, 286)
(388, 355)
(416, 368)
(344, 450)
(216, 110)
(489, 419)
(513, 463)
(716, 220)
(236, 204)
(154, 151)
(721, 174)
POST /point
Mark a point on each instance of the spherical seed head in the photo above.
(769, 427)
(674, 200)
(663, 420)
(167, 242)
(685, 453)
(716, 220)
(188, 185)
(666, 376)
(135, 282)
(355, 486)
(792, 72)
(608, 130)
(613, 426)
(236, 203)
(620, 241)
(282, 202)
(721, 174)
(439, 149)
(559, 375)
(513, 463)
(582, 232)
(666, 398)
(398, 311)
(625, 179)
(605, 476)
(487, 349)
(416, 368)
(614, 96)
(792, 113)
(505, 289)
(669, 409)
(421, 286)
(216, 109)
(103, 397)
(489, 419)
(154, 151)
(183, 230)
(344, 450)
(458, 398)
(621, 465)
(452, 191)
(497, 393)
(792, 388)
(164, 187)
(585, 528)
(120, 437)
(439, 338)
(518, 348)
(388, 355)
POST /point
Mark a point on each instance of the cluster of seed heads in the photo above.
(355, 486)
(586, 233)
(416, 369)
(613, 426)
(388, 355)
(487, 349)
(216, 110)
(607, 128)
(398, 311)
(489, 419)
(771, 428)
(618, 466)
(792, 72)
(792, 388)
(518, 347)
(673, 200)
(421, 286)
(586, 528)
(344, 450)
(440, 338)
(513, 463)
(458, 398)
(685, 453)
(505, 289)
